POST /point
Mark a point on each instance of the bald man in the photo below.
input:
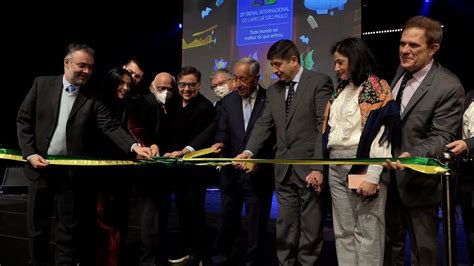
(151, 125)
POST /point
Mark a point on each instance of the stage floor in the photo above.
(14, 248)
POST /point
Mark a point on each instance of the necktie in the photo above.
(71, 88)
(247, 112)
(289, 97)
(405, 79)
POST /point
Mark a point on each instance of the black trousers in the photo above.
(190, 193)
(422, 225)
(57, 191)
(257, 197)
(466, 200)
(153, 193)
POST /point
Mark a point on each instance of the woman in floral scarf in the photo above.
(360, 121)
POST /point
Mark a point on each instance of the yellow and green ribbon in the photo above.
(420, 164)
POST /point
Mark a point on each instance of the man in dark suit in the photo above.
(430, 99)
(151, 114)
(294, 108)
(237, 115)
(61, 116)
(189, 126)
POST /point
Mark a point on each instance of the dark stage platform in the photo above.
(14, 244)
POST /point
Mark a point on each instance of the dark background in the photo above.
(33, 43)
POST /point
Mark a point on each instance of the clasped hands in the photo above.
(145, 153)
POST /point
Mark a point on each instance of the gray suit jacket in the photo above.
(300, 136)
(429, 122)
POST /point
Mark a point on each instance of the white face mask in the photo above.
(163, 96)
(221, 91)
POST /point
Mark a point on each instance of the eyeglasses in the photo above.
(220, 83)
(183, 85)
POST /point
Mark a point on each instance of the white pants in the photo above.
(359, 224)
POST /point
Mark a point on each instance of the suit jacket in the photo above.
(148, 122)
(189, 124)
(429, 122)
(232, 133)
(38, 116)
(300, 136)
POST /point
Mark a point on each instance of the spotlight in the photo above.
(180, 25)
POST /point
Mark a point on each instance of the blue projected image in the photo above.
(263, 2)
(323, 6)
(217, 32)
(264, 21)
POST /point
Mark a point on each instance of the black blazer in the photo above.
(231, 130)
(189, 124)
(149, 123)
(38, 116)
(231, 133)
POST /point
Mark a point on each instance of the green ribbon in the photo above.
(420, 164)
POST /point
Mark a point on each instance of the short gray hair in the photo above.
(254, 65)
(223, 71)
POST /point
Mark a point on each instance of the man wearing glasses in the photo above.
(222, 82)
(193, 114)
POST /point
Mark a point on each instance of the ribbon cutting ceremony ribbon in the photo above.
(420, 164)
(65, 160)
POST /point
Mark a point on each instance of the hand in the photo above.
(155, 150)
(367, 189)
(397, 166)
(315, 179)
(143, 153)
(457, 147)
(38, 162)
(174, 154)
(247, 167)
(218, 148)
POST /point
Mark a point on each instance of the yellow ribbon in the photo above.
(420, 164)
(423, 165)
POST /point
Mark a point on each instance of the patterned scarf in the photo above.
(375, 94)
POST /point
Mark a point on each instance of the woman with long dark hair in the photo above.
(360, 121)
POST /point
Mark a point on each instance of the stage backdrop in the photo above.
(217, 32)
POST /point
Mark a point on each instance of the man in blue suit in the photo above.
(237, 115)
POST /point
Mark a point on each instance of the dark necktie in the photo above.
(289, 97)
(405, 79)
